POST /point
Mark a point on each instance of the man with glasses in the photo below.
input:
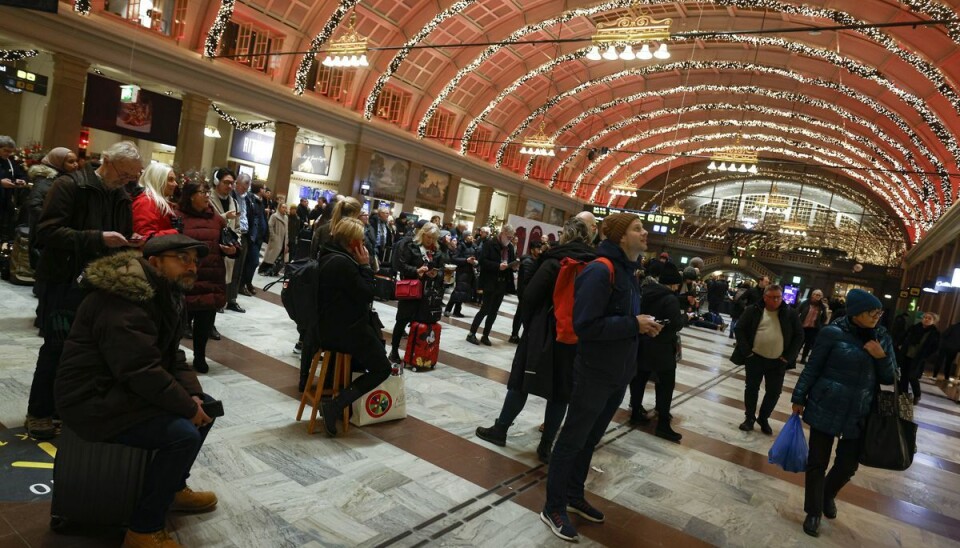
(86, 215)
(124, 378)
(769, 336)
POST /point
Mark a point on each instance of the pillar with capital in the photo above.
(450, 210)
(356, 167)
(282, 160)
(65, 107)
(193, 120)
(483, 206)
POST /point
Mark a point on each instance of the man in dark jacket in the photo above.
(257, 233)
(528, 267)
(768, 341)
(87, 215)
(466, 280)
(607, 321)
(12, 180)
(717, 289)
(498, 262)
(125, 380)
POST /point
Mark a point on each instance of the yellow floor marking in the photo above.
(27, 464)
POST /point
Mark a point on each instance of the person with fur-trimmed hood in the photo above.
(125, 380)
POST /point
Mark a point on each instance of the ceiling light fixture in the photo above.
(350, 50)
(623, 189)
(741, 159)
(627, 31)
(538, 144)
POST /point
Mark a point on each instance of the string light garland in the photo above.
(82, 7)
(875, 131)
(397, 60)
(813, 136)
(219, 26)
(714, 107)
(237, 124)
(709, 150)
(300, 82)
(17, 54)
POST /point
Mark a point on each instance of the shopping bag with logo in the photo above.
(789, 451)
(386, 402)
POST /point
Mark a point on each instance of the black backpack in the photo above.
(301, 280)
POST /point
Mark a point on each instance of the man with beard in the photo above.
(125, 380)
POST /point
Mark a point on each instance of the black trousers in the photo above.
(944, 360)
(820, 485)
(910, 376)
(517, 322)
(406, 312)
(60, 303)
(202, 324)
(234, 286)
(666, 382)
(492, 299)
(809, 339)
(771, 373)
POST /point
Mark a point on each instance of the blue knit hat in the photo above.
(859, 301)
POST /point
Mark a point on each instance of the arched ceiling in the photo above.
(875, 108)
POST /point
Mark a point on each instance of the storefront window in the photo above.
(166, 17)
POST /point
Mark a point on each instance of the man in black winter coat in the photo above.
(717, 289)
(528, 267)
(87, 215)
(769, 337)
(498, 262)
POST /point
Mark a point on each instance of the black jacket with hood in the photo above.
(660, 353)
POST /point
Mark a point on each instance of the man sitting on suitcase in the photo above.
(123, 378)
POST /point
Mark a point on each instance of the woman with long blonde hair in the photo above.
(153, 209)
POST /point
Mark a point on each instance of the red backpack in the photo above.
(563, 296)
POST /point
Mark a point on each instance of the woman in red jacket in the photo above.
(153, 208)
(209, 293)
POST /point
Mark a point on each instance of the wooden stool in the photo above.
(313, 394)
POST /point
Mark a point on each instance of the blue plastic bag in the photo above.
(789, 451)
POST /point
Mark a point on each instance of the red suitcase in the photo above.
(423, 346)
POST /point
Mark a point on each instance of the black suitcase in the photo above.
(95, 484)
(385, 288)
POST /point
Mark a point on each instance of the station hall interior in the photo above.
(816, 144)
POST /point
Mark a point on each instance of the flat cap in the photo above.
(173, 242)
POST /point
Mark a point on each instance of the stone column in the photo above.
(282, 159)
(413, 183)
(193, 120)
(450, 211)
(10, 118)
(221, 149)
(483, 206)
(65, 107)
(356, 166)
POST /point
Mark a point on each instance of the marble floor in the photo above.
(427, 480)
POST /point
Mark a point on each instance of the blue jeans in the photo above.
(592, 406)
(176, 442)
(552, 416)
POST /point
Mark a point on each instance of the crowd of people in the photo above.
(130, 260)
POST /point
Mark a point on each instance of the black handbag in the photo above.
(889, 440)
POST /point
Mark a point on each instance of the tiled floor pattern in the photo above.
(428, 480)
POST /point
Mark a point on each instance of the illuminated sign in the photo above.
(657, 223)
(23, 80)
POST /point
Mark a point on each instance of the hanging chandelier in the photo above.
(774, 203)
(623, 189)
(793, 229)
(350, 50)
(675, 210)
(538, 144)
(740, 159)
(618, 38)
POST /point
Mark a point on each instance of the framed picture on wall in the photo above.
(433, 187)
(388, 175)
(314, 159)
(556, 216)
(534, 210)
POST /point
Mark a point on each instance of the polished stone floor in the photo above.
(427, 480)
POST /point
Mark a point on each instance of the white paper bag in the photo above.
(386, 402)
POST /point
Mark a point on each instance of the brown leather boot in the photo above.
(157, 539)
(191, 501)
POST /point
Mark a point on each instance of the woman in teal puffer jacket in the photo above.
(834, 394)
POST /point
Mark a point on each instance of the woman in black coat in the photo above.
(466, 260)
(658, 298)
(542, 366)
(346, 323)
(920, 342)
(418, 258)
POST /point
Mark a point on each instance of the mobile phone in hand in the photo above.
(663, 322)
(213, 409)
(515, 262)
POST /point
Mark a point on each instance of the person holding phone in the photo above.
(124, 378)
(86, 215)
(12, 178)
(418, 258)
(498, 262)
